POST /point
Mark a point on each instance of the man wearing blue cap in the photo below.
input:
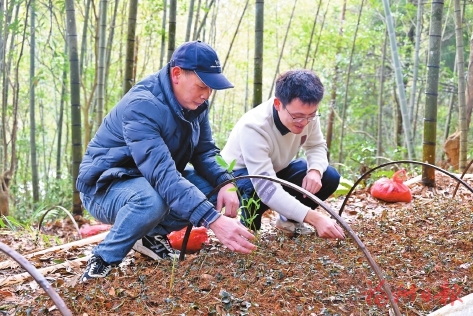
(134, 173)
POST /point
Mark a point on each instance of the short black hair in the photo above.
(303, 84)
(187, 72)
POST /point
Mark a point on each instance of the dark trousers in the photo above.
(294, 173)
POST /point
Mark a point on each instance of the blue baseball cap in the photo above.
(203, 60)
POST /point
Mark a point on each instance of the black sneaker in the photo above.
(157, 247)
(96, 268)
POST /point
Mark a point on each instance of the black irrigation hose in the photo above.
(39, 278)
(399, 162)
(340, 220)
(463, 174)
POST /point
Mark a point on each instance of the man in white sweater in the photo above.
(265, 141)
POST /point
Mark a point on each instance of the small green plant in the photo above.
(224, 164)
(11, 223)
(49, 241)
(250, 205)
(173, 273)
(343, 188)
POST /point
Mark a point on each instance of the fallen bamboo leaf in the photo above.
(90, 240)
(19, 278)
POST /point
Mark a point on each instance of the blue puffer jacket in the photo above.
(146, 134)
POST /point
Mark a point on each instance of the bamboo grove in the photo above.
(397, 75)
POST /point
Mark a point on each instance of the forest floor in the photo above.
(424, 248)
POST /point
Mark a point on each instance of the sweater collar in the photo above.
(279, 125)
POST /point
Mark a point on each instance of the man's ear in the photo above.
(175, 74)
(277, 104)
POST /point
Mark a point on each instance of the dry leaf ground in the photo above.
(425, 249)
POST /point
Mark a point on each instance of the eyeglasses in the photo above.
(302, 119)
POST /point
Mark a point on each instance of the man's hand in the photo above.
(312, 181)
(228, 198)
(326, 226)
(233, 234)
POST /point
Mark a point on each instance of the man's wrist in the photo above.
(209, 218)
(313, 216)
(225, 177)
(317, 171)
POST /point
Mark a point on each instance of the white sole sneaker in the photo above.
(292, 229)
(138, 247)
(155, 248)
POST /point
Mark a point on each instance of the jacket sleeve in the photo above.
(204, 157)
(143, 125)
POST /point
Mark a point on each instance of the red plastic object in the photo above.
(86, 230)
(392, 190)
(197, 237)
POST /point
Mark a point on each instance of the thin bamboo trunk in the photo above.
(258, 66)
(318, 37)
(462, 121)
(196, 36)
(3, 28)
(61, 118)
(46, 162)
(419, 97)
(129, 79)
(83, 48)
(108, 53)
(189, 20)
(231, 46)
(196, 22)
(333, 94)
(212, 20)
(247, 86)
(101, 62)
(8, 174)
(469, 85)
(431, 93)
(2, 41)
(33, 154)
(312, 34)
(3, 44)
(213, 26)
(76, 139)
(235, 35)
(416, 58)
(379, 141)
(347, 85)
(416, 112)
(397, 119)
(9, 162)
(163, 34)
(399, 80)
(451, 101)
(281, 53)
(172, 29)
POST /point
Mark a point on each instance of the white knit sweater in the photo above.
(256, 144)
